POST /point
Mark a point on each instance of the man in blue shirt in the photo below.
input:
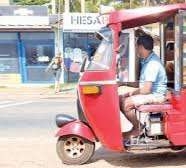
(152, 84)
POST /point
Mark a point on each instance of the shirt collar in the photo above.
(146, 60)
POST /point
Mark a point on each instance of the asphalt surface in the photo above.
(33, 117)
(27, 136)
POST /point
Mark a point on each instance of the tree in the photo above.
(156, 2)
(127, 4)
(30, 2)
(75, 5)
(93, 5)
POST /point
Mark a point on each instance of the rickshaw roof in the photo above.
(130, 18)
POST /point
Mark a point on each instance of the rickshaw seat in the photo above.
(154, 107)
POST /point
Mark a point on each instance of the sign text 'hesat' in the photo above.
(88, 20)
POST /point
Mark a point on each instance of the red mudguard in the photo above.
(77, 128)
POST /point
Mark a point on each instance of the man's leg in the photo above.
(127, 107)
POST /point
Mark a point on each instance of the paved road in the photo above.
(32, 117)
(27, 131)
(27, 139)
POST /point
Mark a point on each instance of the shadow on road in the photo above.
(143, 159)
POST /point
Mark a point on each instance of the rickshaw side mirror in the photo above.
(104, 33)
(82, 69)
(119, 49)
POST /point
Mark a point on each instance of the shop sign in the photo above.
(24, 20)
(84, 21)
(23, 11)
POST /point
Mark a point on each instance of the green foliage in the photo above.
(128, 4)
(75, 6)
(30, 2)
(61, 7)
(93, 5)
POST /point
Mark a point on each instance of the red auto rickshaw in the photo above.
(98, 100)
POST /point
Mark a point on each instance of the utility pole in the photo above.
(130, 3)
(151, 2)
(53, 3)
(67, 6)
(147, 3)
(82, 6)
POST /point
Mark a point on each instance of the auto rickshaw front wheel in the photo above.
(74, 149)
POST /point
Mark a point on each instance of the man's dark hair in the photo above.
(146, 41)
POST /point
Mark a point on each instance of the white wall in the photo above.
(4, 2)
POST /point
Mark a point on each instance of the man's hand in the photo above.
(134, 92)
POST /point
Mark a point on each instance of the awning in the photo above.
(137, 17)
(25, 23)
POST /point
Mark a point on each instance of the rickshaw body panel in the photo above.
(102, 113)
(77, 128)
(88, 75)
(102, 110)
(175, 120)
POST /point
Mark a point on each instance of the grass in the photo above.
(2, 87)
(66, 86)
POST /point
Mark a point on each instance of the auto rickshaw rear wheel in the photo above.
(74, 149)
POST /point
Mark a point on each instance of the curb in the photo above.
(36, 92)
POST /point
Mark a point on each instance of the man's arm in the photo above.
(146, 89)
(130, 84)
(49, 65)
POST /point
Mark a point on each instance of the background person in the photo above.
(152, 84)
(56, 67)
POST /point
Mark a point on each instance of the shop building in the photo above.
(26, 44)
(78, 32)
(5, 2)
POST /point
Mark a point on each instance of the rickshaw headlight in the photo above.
(91, 89)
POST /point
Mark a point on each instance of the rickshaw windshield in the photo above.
(103, 55)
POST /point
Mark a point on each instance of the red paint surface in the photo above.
(103, 115)
(175, 120)
(142, 16)
(77, 128)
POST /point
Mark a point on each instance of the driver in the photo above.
(152, 84)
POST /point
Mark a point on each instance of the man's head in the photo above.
(145, 44)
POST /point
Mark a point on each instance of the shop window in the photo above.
(38, 54)
(123, 58)
(39, 47)
(39, 51)
(184, 51)
(102, 57)
(76, 47)
(8, 36)
(184, 63)
(8, 57)
(37, 36)
(86, 42)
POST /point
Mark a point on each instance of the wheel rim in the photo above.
(74, 147)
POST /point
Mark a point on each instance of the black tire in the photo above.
(74, 150)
